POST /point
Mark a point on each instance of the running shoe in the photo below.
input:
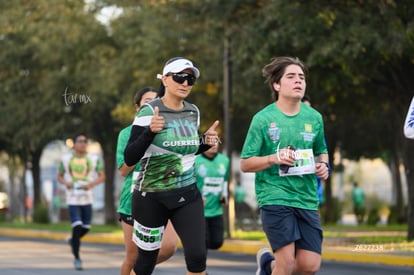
(78, 264)
(263, 256)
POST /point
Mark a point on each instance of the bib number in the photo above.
(147, 238)
(78, 188)
(304, 164)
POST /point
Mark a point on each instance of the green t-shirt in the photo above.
(239, 194)
(358, 197)
(212, 176)
(126, 192)
(168, 163)
(271, 129)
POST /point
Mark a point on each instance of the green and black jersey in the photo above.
(167, 157)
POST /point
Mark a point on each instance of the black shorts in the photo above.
(126, 219)
(284, 225)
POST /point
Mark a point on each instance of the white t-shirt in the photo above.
(80, 171)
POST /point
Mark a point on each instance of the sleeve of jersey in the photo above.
(99, 165)
(409, 122)
(254, 139)
(141, 137)
(120, 148)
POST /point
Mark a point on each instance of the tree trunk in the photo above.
(14, 198)
(399, 203)
(409, 171)
(330, 207)
(35, 162)
(110, 213)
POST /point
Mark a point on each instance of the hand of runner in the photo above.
(157, 121)
(211, 137)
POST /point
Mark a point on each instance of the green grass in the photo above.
(249, 235)
(379, 239)
(364, 227)
(336, 231)
(61, 227)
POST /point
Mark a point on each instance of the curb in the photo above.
(230, 245)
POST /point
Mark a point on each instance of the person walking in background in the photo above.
(170, 240)
(358, 199)
(165, 139)
(212, 170)
(283, 141)
(80, 173)
(409, 121)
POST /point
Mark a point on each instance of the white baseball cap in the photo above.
(179, 65)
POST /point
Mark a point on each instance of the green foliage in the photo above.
(394, 216)
(3, 216)
(374, 205)
(373, 216)
(334, 214)
(41, 214)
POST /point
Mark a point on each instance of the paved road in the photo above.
(19, 256)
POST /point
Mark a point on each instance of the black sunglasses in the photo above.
(181, 77)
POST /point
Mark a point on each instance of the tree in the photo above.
(48, 47)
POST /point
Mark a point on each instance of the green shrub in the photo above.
(3, 216)
(333, 214)
(373, 216)
(395, 218)
(41, 213)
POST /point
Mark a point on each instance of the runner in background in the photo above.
(212, 170)
(80, 172)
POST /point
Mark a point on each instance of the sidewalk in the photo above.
(334, 249)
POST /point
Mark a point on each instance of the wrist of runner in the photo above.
(269, 160)
(324, 162)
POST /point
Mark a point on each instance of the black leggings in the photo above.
(215, 232)
(184, 207)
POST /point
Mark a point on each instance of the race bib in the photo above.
(147, 238)
(78, 188)
(212, 185)
(304, 164)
